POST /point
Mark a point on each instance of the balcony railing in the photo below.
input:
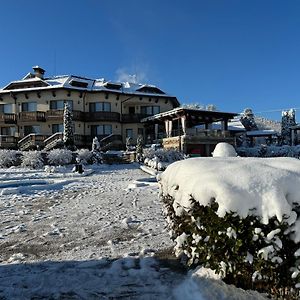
(7, 141)
(8, 118)
(32, 116)
(102, 116)
(133, 118)
(58, 115)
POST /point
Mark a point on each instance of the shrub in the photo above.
(8, 158)
(240, 244)
(60, 157)
(160, 158)
(32, 159)
(237, 248)
(85, 156)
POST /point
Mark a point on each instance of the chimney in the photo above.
(38, 72)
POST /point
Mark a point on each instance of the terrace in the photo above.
(190, 130)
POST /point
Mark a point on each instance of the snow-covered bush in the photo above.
(85, 156)
(32, 159)
(8, 158)
(224, 150)
(237, 216)
(269, 151)
(60, 157)
(159, 159)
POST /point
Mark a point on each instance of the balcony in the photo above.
(8, 118)
(8, 142)
(102, 116)
(32, 116)
(133, 118)
(58, 115)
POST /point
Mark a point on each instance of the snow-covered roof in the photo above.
(83, 84)
(174, 113)
(261, 132)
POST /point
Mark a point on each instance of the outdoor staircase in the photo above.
(31, 141)
(53, 141)
(113, 141)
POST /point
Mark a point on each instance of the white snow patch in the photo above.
(266, 187)
(224, 150)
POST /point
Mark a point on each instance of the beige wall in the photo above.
(81, 102)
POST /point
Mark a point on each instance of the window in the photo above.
(32, 129)
(129, 133)
(101, 130)
(100, 106)
(6, 108)
(131, 110)
(60, 104)
(29, 106)
(8, 131)
(57, 128)
(150, 110)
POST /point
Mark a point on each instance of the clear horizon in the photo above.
(234, 54)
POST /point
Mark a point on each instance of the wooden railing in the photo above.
(102, 116)
(31, 116)
(8, 118)
(132, 118)
(32, 140)
(58, 115)
(54, 137)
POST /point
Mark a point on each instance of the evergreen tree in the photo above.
(68, 137)
(247, 119)
(139, 148)
(288, 119)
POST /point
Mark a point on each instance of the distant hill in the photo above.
(263, 123)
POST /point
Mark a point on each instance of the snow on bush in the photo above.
(32, 159)
(224, 150)
(159, 159)
(269, 151)
(8, 158)
(60, 157)
(238, 216)
(85, 156)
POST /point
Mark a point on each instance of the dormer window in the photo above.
(150, 90)
(80, 84)
(113, 86)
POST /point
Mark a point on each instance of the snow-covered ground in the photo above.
(99, 235)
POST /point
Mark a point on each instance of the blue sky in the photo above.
(232, 53)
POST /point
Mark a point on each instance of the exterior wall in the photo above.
(121, 107)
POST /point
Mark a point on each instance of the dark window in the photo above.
(8, 131)
(131, 110)
(79, 84)
(150, 110)
(31, 129)
(101, 130)
(100, 106)
(6, 108)
(57, 128)
(129, 133)
(60, 104)
(29, 106)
